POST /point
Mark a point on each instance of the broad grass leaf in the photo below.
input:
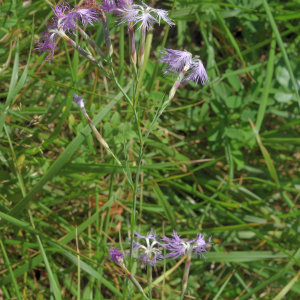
(218, 108)
(115, 119)
(233, 101)
(234, 81)
(283, 97)
(238, 158)
(9, 22)
(282, 75)
(248, 114)
(223, 90)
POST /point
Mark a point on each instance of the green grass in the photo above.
(223, 159)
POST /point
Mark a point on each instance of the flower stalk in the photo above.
(132, 45)
(90, 42)
(79, 101)
(117, 257)
(82, 52)
(106, 34)
(179, 247)
(175, 87)
(141, 57)
(149, 279)
(186, 274)
(135, 283)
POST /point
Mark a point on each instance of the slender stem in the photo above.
(142, 48)
(143, 69)
(132, 278)
(185, 275)
(107, 219)
(137, 175)
(94, 129)
(121, 58)
(135, 190)
(132, 45)
(122, 91)
(83, 52)
(137, 118)
(90, 42)
(131, 103)
(106, 35)
(174, 88)
(101, 140)
(149, 279)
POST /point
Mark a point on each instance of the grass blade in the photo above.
(223, 286)
(282, 47)
(267, 84)
(165, 204)
(232, 39)
(287, 288)
(10, 271)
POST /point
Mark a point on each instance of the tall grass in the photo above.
(222, 160)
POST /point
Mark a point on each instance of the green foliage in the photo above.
(222, 160)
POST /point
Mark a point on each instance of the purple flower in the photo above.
(178, 247)
(197, 73)
(109, 5)
(145, 14)
(87, 16)
(46, 42)
(116, 256)
(66, 18)
(79, 100)
(200, 245)
(59, 10)
(160, 14)
(121, 8)
(181, 61)
(149, 15)
(146, 20)
(88, 13)
(148, 253)
(175, 60)
(125, 3)
(126, 15)
(126, 11)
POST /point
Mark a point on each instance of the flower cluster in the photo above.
(65, 21)
(116, 256)
(129, 12)
(179, 247)
(46, 42)
(149, 252)
(66, 18)
(182, 62)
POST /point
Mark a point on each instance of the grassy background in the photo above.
(203, 157)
